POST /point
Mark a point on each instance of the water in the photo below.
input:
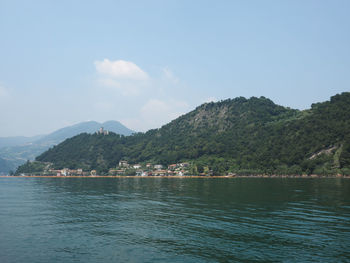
(174, 220)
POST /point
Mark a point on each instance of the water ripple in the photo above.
(174, 220)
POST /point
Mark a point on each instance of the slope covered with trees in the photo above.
(17, 150)
(245, 136)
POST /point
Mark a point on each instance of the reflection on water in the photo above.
(174, 220)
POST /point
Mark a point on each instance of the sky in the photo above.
(144, 63)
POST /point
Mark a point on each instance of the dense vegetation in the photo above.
(33, 167)
(244, 136)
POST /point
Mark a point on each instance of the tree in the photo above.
(344, 158)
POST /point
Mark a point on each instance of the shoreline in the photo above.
(184, 176)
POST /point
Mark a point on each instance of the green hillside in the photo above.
(17, 150)
(244, 136)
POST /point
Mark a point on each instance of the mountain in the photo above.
(244, 136)
(117, 127)
(15, 151)
(6, 165)
(17, 140)
(88, 127)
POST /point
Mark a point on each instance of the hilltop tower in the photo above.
(102, 131)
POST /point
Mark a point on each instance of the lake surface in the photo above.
(174, 220)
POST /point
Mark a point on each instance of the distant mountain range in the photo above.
(17, 140)
(88, 127)
(14, 151)
(243, 136)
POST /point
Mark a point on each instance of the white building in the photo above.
(65, 171)
(158, 166)
(123, 164)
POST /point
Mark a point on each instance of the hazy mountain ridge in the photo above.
(18, 140)
(88, 127)
(235, 135)
(15, 151)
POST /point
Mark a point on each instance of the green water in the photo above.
(174, 220)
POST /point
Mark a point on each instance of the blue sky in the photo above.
(147, 62)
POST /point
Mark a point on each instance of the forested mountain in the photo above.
(88, 127)
(17, 150)
(246, 136)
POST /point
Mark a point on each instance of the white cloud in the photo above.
(142, 110)
(122, 76)
(120, 69)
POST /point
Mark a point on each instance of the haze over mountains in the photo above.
(14, 151)
(249, 136)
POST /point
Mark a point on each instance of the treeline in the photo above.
(31, 167)
(243, 136)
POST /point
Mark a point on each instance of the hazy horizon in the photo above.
(101, 122)
(146, 63)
